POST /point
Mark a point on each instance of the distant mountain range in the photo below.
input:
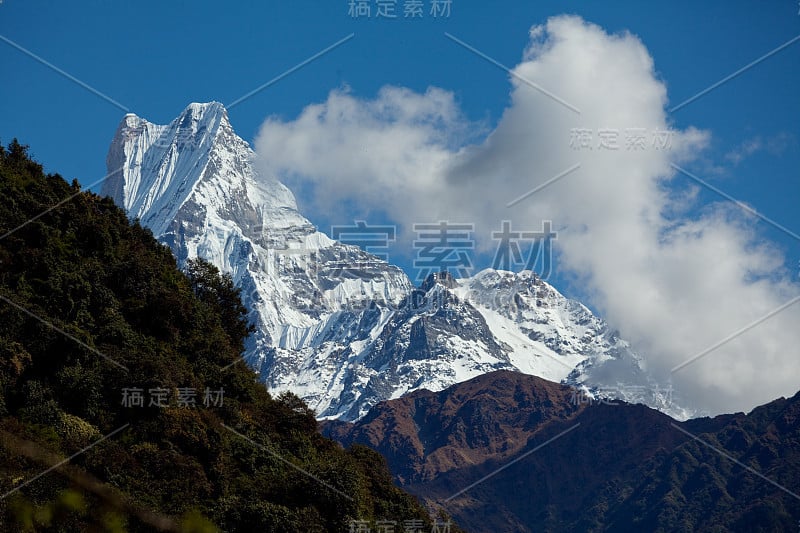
(510, 452)
(339, 326)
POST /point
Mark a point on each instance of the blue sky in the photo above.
(155, 57)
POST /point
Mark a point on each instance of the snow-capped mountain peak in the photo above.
(336, 325)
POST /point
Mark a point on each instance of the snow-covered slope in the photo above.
(336, 325)
(192, 183)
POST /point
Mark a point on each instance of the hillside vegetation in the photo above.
(95, 316)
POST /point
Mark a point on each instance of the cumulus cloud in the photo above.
(674, 282)
(383, 152)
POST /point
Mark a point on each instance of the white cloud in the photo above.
(672, 284)
(774, 145)
(744, 150)
(382, 152)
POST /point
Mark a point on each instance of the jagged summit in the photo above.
(205, 107)
(336, 325)
(195, 111)
(212, 115)
(197, 118)
(189, 164)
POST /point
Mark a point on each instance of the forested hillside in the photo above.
(105, 345)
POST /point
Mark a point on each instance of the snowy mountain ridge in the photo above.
(338, 326)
